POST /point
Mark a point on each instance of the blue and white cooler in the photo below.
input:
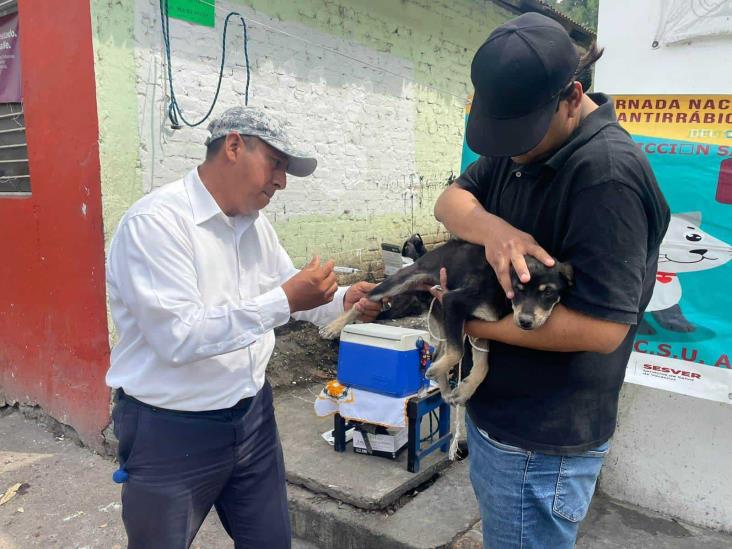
(381, 359)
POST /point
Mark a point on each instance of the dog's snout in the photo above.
(698, 252)
(526, 321)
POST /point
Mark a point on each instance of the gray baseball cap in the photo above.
(269, 128)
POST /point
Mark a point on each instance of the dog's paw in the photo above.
(432, 373)
(330, 331)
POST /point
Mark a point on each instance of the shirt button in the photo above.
(518, 174)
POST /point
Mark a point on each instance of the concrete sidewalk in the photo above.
(70, 501)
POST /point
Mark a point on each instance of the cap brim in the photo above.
(297, 164)
(301, 166)
(488, 136)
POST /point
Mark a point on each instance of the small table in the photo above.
(417, 407)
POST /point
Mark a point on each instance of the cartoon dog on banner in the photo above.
(685, 249)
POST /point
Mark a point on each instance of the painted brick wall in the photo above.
(387, 132)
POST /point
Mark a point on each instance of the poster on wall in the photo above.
(10, 84)
(684, 343)
(468, 156)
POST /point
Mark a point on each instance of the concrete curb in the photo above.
(432, 519)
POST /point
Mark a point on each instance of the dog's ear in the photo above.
(566, 270)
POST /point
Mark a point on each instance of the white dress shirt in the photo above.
(195, 296)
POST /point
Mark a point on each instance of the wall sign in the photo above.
(10, 83)
(193, 11)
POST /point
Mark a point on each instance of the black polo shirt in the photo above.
(595, 204)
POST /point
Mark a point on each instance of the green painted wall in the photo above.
(355, 241)
(119, 141)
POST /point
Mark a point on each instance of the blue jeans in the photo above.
(528, 499)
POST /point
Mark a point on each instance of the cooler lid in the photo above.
(381, 331)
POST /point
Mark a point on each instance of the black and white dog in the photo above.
(474, 292)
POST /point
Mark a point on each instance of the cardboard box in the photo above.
(384, 445)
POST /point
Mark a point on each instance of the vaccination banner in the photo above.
(684, 343)
(468, 155)
(10, 84)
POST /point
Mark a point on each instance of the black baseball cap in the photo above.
(518, 75)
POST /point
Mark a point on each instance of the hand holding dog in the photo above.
(439, 291)
(356, 297)
(313, 286)
(505, 245)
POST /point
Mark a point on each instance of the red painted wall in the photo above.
(54, 347)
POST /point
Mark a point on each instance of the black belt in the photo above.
(243, 404)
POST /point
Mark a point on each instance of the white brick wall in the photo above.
(376, 133)
(359, 121)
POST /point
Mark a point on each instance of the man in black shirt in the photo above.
(559, 175)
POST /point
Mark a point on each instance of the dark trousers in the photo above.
(180, 464)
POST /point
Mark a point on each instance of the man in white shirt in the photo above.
(197, 282)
